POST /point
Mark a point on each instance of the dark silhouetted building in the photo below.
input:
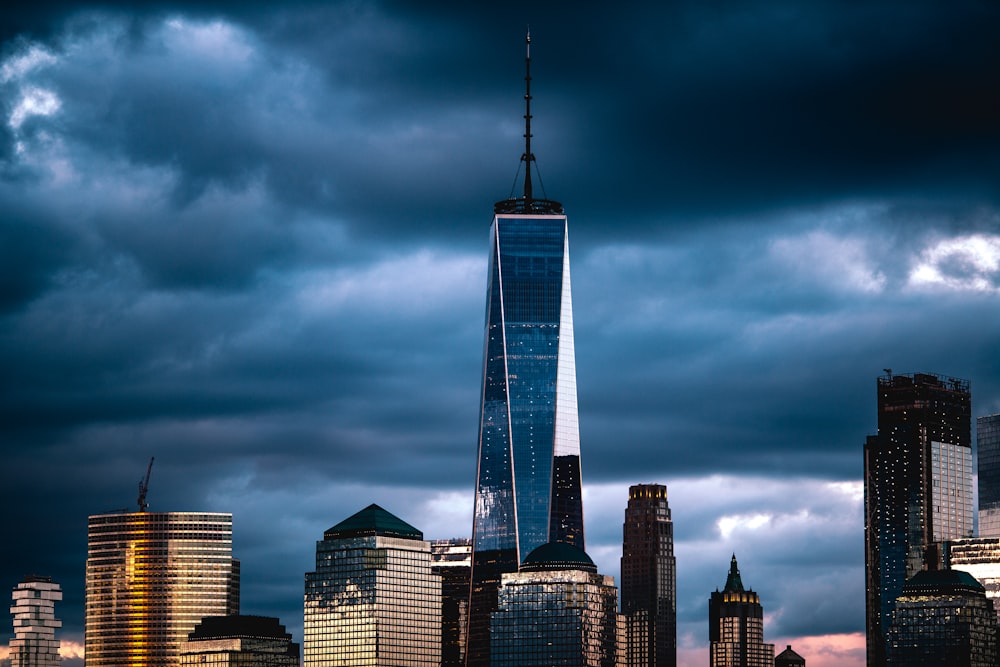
(918, 488)
(528, 489)
(240, 641)
(33, 606)
(373, 599)
(942, 618)
(988, 455)
(556, 610)
(736, 626)
(151, 577)
(789, 658)
(452, 559)
(649, 578)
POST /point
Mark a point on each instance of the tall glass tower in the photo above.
(528, 489)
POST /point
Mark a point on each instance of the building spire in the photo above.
(527, 158)
(734, 583)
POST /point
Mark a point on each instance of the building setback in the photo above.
(736, 626)
(918, 488)
(240, 641)
(33, 606)
(373, 599)
(151, 577)
(649, 578)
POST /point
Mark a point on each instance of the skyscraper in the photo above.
(736, 626)
(151, 577)
(528, 489)
(918, 488)
(649, 578)
(988, 446)
(373, 599)
(452, 560)
(33, 606)
(556, 610)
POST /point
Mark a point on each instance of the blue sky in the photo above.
(250, 240)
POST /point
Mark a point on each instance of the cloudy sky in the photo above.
(251, 241)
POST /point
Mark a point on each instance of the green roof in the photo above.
(373, 520)
(734, 583)
(557, 556)
(940, 580)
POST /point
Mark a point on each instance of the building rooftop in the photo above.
(231, 627)
(557, 556)
(941, 581)
(371, 521)
(734, 583)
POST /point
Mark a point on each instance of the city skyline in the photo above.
(249, 241)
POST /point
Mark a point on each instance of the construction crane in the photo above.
(144, 486)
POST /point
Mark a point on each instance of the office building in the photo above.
(33, 606)
(789, 658)
(988, 448)
(555, 610)
(151, 577)
(528, 489)
(980, 557)
(942, 617)
(239, 641)
(452, 560)
(736, 626)
(649, 578)
(918, 488)
(373, 599)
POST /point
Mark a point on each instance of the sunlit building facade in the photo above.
(988, 455)
(528, 488)
(452, 560)
(151, 577)
(556, 610)
(33, 606)
(918, 488)
(649, 578)
(942, 617)
(239, 641)
(980, 557)
(373, 600)
(736, 626)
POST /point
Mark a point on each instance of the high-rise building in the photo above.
(452, 559)
(528, 489)
(918, 488)
(556, 610)
(988, 446)
(649, 578)
(373, 599)
(239, 641)
(736, 626)
(980, 557)
(33, 606)
(151, 577)
(942, 618)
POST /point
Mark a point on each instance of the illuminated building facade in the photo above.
(528, 488)
(988, 454)
(649, 578)
(556, 610)
(239, 641)
(373, 600)
(736, 626)
(918, 488)
(452, 560)
(980, 557)
(33, 606)
(151, 577)
(942, 618)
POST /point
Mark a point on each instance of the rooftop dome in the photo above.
(557, 556)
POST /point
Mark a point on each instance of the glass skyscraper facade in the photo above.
(452, 560)
(736, 626)
(528, 488)
(151, 577)
(918, 488)
(988, 446)
(556, 610)
(649, 578)
(33, 606)
(373, 600)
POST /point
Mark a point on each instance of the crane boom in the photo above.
(144, 486)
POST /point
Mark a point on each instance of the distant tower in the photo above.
(528, 488)
(556, 610)
(239, 641)
(789, 658)
(373, 599)
(942, 618)
(33, 603)
(452, 560)
(988, 447)
(649, 578)
(736, 626)
(151, 577)
(918, 488)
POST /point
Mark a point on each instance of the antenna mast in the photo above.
(528, 158)
(144, 486)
